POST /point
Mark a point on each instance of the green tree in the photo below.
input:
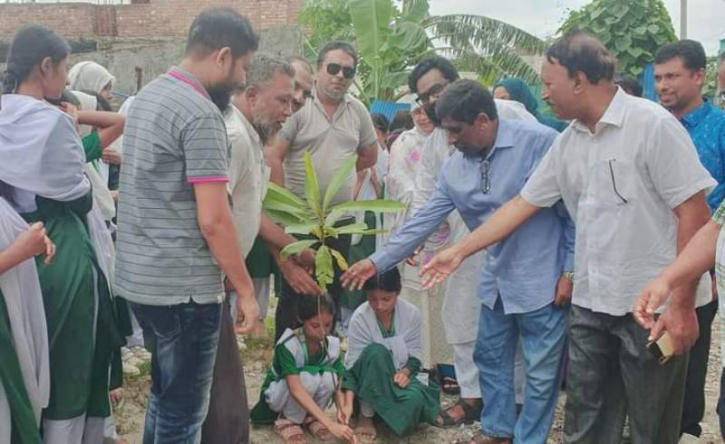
(393, 36)
(631, 30)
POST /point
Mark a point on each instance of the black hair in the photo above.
(464, 100)
(218, 28)
(630, 85)
(334, 46)
(380, 122)
(578, 51)
(101, 103)
(66, 96)
(310, 306)
(388, 281)
(403, 120)
(30, 46)
(442, 64)
(691, 52)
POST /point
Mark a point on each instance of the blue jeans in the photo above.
(542, 334)
(183, 342)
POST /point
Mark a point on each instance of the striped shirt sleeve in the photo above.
(719, 215)
(205, 149)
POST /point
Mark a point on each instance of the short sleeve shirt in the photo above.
(174, 137)
(330, 142)
(620, 186)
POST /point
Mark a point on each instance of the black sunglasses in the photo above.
(347, 71)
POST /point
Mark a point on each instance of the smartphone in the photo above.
(662, 348)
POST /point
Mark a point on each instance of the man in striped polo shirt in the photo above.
(175, 230)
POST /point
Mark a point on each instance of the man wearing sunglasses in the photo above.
(332, 125)
(519, 280)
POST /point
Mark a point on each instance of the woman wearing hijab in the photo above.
(24, 368)
(517, 90)
(90, 77)
(48, 185)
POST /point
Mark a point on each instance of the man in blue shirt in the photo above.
(679, 75)
(518, 285)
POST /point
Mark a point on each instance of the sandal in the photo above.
(318, 430)
(471, 413)
(449, 385)
(290, 432)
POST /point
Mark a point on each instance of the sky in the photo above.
(543, 17)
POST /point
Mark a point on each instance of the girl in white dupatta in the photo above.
(42, 160)
(24, 368)
(383, 358)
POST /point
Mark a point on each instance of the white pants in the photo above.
(467, 373)
(466, 370)
(321, 387)
(78, 430)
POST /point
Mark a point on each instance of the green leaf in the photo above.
(324, 272)
(415, 10)
(297, 247)
(312, 186)
(623, 43)
(281, 194)
(341, 176)
(355, 228)
(371, 20)
(312, 228)
(376, 206)
(653, 28)
(283, 218)
(341, 262)
(281, 207)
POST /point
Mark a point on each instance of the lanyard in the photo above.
(178, 75)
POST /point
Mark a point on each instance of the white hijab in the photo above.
(364, 330)
(89, 76)
(40, 152)
(24, 301)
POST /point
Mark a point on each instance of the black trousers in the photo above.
(693, 409)
(286, 314)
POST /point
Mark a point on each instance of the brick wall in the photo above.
(154, 18)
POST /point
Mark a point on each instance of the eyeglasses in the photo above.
(485, 179)
(347, 71)
(433, 92)
(614, 181)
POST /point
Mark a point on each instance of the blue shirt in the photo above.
(706, 125)
(523, 268)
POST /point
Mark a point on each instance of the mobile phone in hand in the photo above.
(662, 348)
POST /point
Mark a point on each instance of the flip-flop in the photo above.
(318, 430)
(449, 385)
(290, 432)
(471, 413)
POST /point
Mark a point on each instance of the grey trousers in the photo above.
(227, 421)
(611, 376)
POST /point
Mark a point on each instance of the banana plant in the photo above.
(314, 218)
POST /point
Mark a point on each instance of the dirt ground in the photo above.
(130, 412)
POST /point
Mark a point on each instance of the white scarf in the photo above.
(24, 301)
(40, 152)
(89, 76)
(364, 330)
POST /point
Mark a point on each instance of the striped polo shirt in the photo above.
(174, 137)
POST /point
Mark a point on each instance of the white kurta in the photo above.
(248, 177)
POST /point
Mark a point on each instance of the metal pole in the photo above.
(683, 19)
